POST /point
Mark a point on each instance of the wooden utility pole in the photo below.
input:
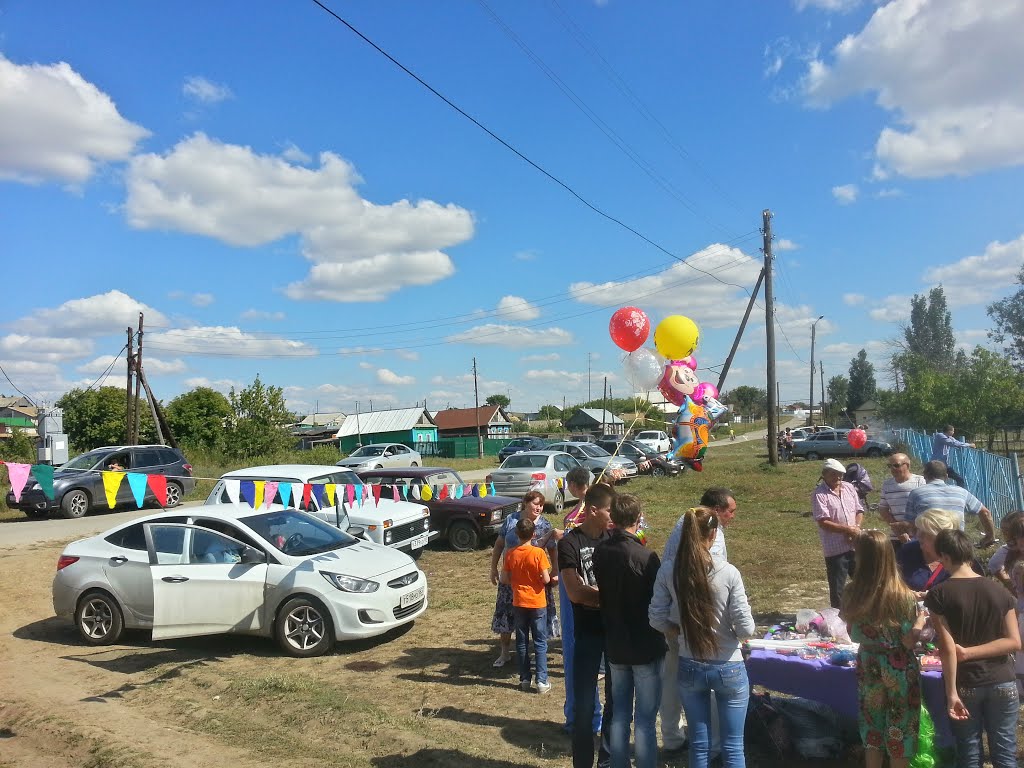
(739, 333)
(476, 403)
(810, 405)
(138, 386)
(129, 419)
(604, 408)
(769, 326)
(821, 397)
(589, 395)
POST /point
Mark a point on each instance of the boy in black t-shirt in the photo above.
(576, 568)
(976, 623)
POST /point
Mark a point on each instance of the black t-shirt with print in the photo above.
(576, 551)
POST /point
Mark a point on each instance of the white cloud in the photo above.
(943, 69)
(517, 309)
(570, 380)
(293, 154)
(16, 346)
(386, 376)
(366, 366)
(495, 334)
(892, 309)
(57, 126)
(403, 354)
(105, 313)
(840, 6)
(526, 255)
(221, 385)
(550, 357)
(202, 299)
(981, 278)
(845, 193)
(205, 91)
(153, 366)
(848, 350)
(261, 314)
(786, 245)
(226, 341)
(360, 251)
(890, 192)
(853, 299)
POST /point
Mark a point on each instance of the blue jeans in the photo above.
(645, 681)
(535, 621)
(587, 653)
(994, 709)
(728, 679)
(568, 642)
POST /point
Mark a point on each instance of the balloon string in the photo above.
(618, 445)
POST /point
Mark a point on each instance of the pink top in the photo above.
(840, 506)
(574, 517)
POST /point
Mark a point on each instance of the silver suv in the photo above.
(595, 458)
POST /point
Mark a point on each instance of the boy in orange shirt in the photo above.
(527, 569)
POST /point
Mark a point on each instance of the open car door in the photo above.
(204, 583)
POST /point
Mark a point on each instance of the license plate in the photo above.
(419, 541)
(410, 598)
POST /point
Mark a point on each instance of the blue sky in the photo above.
(282, 200)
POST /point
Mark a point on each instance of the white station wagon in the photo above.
(206, 570)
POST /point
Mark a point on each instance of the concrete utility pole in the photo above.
(129, 419)
(739, 333)
(138, 386)
(604, 409)
(769, 326)
(589, 396)
(476, 404)
(821, 397)
(810, 405)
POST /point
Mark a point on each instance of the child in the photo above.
(527, 569)
(881, 614)
(1017, 582)
(1002, 562)
(976, 625)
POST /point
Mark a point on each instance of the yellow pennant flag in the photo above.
(260, 485)
(483, 489)
(426, 493)
(329, 490)
(111, 484)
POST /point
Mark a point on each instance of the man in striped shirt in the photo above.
(893, 504)
(938, 494)
(838, 510)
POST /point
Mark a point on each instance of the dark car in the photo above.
(464, 522)
(78, 485)
(833, 442)
(520, 444)
(648, 461)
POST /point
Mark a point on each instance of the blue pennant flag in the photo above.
(138, 482)
(318, 494)
(359, 494)
(247, 490)
(285, 489)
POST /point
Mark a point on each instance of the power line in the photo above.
(515, 151)
(788, 342)
(16, 386)
(106, 373)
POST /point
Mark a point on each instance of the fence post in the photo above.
(1018, 485)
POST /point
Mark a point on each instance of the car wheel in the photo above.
(463, 536)
(74, 504)
(174, 494)
(98, 619)
(303, 628)
(874, 453)
(812, 456)
(414, 464)
(558, 502)
(379, 466)
(657, 471)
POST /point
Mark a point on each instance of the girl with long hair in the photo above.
(881, 614)
(711, 623)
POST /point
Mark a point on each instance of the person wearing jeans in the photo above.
(527, 571)
(626, 571)
(532, 621)
(710, 622)
(975, 621)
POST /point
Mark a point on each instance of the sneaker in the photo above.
(543, 687)
(524, 685)
(502, 660)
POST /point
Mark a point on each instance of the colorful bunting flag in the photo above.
(137, 482)
(426, 493)
(376, 493)
(43, 473)
(260, 485)
(444, 493)
(18, 474)
(394, 492)
(483, 490)
(491, 491)
(359, 495)
(158, 485)
(269, 492)
(297, 494)
(459, 490)
(405, 492)
(318, 494)
(350, 494)
(416, 493)
(307, 490)
(329, 489)
(247, 490)
(231, 487)
(475, 490)
(285, 489)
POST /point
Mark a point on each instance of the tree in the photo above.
(258, 420)
(838, 390)
(747, 401)
(930, 332)
(1008, 315)
(501, 400)
(198, 417)
(19, 447)
(862, 382)
(95, 417)
(550, 413)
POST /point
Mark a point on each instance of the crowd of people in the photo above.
(644, 636)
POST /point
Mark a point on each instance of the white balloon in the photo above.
(644, 369)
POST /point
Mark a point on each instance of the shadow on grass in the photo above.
(461, 667)
(544, 738)
(440, 758)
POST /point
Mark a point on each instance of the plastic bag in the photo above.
(804, 617)
(816, 730)
(835, 626)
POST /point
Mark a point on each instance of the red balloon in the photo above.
(629, 328)
(856, 438)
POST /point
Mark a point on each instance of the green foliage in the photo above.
(550, 413)
(747, 401)
(930, 333)
(19, 447)
(258, 421)
(838, 391)
(197, 418)
(501, 400)
(520, 427)
(96, 417)
(862, 382)
(1008, 315)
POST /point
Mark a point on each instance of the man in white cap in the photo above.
(837, 509)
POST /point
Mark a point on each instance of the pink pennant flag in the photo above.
(394, 489)
(269, 492)
(350, 493)
(19, 475)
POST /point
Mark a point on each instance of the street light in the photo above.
(811, 404)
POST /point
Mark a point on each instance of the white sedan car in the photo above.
(273, 572)
(380, 456)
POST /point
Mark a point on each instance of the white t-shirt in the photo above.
(894, 496)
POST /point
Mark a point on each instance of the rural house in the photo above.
(398, 425)
(461, 422)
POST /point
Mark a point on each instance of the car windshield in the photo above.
(85, 461)
(525, 461)
(638, 448)
(594, 451)
(368, 451)
(298, 534)
(647, 436)
(520, 442)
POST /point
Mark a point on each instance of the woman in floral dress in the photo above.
(881, 614)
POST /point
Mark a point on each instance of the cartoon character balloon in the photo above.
(692, 428)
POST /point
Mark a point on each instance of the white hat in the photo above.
(834, 465)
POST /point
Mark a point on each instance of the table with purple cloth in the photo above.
(836, 686)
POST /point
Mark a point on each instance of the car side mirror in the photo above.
(358, 531)
(253, 556)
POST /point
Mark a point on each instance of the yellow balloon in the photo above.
(676, 337)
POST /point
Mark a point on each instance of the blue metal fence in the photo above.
(994, 479)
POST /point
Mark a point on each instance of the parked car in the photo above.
(381, 455)
(520, 444)
(520, 473)
(78, 484)
(464, 522)
(833, 443)
(801, 433)
(648, 461)
(207, 570)
(403, 525)
(597, 459)
(656, 439)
